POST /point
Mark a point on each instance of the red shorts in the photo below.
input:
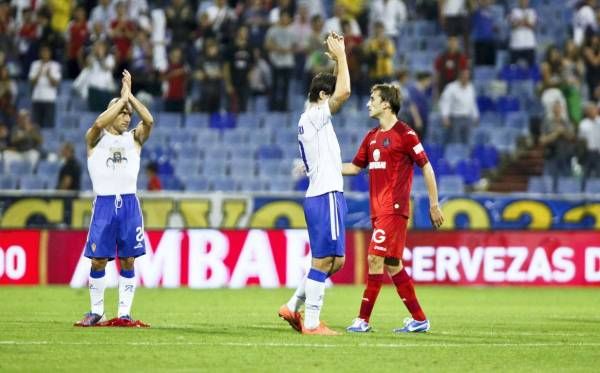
(389, 236)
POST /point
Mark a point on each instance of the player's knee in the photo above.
(127, 263)
(393, 265)
(322, 264)
(375, 264)
(98, 264)
(338, 263)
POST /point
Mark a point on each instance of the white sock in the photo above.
(297, 300)
(315, 291)
(97, 286)
(126, 293)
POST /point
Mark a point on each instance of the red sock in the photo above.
(406, 291)
(370, 296)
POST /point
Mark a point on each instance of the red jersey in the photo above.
(78, 34)
(390, 156)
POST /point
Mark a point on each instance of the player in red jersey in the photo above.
(390, 152)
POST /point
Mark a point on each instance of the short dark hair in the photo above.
(389, 93)
(321, 82)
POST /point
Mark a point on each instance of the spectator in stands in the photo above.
(48, 36)
(483, 33)
(454, 19)
(221, 20)
(8, 94)
(280, 42)
(334, 23)
(458, 108)
(154, 183)
(259, 77)
(176, 78)
(392, 13)
(589, 133)
(122, 32)
(584, 21)
(573, 72)
(552, 69)
(77, 36)
(301, 27)
(45, 76)
(355, 57)
(256, 17)
(282, 6)
(591, 58)
(95, 83)
(408, 110)
(379, 54)
(523, 20)
(60, 11)
(142, 58)
(210, 77)
(420, 95)
(180, 21)
(6, 27)
(449, 63)
(27, 37)
(69, 175)
(557, 139)
(25, 141)
(103, 13)
(316, 61)
(238, 62)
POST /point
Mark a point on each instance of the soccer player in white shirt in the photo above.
(324, 206)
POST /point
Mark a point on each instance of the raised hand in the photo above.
(335, 46)
(126, 85)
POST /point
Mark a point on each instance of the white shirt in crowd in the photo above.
(391, 12)
(589, 130)
(43, 90)
(454, 8)
(320, 150)
(584, 18)
(334, 24)
(459, 101)
(522, 37)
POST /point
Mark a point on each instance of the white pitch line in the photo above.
(307, 345)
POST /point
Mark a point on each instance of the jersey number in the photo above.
(303, 155)
(139, 234)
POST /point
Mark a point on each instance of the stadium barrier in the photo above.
(283, 211)
(210, 258)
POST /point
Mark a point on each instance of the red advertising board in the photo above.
(19, 257)
(208, 258)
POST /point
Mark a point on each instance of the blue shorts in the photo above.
(116, 223)
(325, 215)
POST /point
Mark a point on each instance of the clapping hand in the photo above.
(335, 46)
(126, 85)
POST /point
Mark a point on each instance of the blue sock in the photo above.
(97, 274)
(128, 274)
(316, 275)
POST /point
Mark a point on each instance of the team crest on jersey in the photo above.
(386, 142)
(117, 159)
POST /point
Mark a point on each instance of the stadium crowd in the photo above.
(476, 76)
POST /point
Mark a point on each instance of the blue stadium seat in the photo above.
(235, 137)
(187, 167)
(207, 136)
(32, 182)
(223, 184)
(484, 73)
(196, 183)
(539, 184)
(418, 185)
(251, 185)
(485, 104)
(442, 167)
(479, 136)
(213, 167)
(222, 121)
(360, 182)
(277, 120)
(48, 170)
(518, 120)
(196, 120)
(168, 119)
(269, 152)
(249, 120)
(242, 168)
(262, 135)
(455, 153)
(434, 151)
(280, 184)
(506, 104)
(242, 152)
(170, 182)
(592, 186)
(8, 182)
(470, 170)
(19, 168)
(568, 185)
(451, 184)
(487, 155)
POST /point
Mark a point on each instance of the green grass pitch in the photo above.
(473, 329)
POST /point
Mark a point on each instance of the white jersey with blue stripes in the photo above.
(320, 150)
(114, 164)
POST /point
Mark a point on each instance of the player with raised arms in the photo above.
(390, 152)
(324, 205)
(116, 226)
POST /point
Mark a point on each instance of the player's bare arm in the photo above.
(350, 169)
(144, 127)
(337, 51)
(107, 117)
(435, 213)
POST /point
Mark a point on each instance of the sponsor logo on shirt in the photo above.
(379, 248)
(377, 164)
(378, 235)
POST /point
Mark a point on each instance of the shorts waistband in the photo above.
(113, 196)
